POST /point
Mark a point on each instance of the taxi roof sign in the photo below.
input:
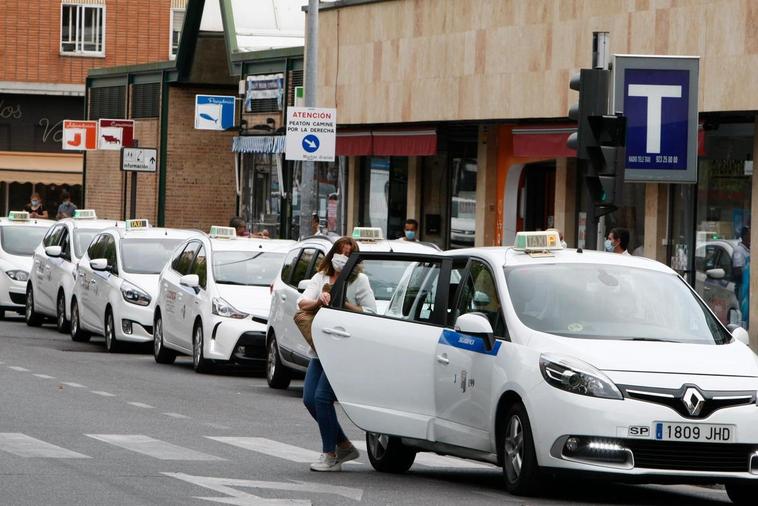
(218, 232)
(85, 214)
(368, 234)
(544, 240)
(18, 216)
(138, 224)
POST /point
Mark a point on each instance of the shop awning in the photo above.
(354, 143)
(41, 168)
(543, 141)
(404, 142)
(265, 144)
(39, 177)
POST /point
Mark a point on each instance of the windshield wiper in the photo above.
(652, 339)
(231, 283)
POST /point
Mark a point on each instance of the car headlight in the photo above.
(223, 308)
(575, 376)
(18, 275)
(134, 294)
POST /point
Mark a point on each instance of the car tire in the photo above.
(60, 314)
(111, 344)
(388, 454)
(742, 492)
(277, 374)
(77, 333)
(520, 468)
(161, 354)
(32, 318)
(199, 363)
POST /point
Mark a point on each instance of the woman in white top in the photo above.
(318, 395)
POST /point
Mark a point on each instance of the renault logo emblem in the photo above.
(693, 400)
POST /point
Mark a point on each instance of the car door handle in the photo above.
(337, 332)
(282, 297)
(442, 359)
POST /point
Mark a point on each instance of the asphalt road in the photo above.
(79, 426)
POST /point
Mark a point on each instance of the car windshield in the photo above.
(611, 302)
(21, 240)
(148, 255)
(249, 268)
(82, 238)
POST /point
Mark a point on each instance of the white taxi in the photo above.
(214, 298)
(19, 236)
(117, 282)
(51, 282)
(287, 351)
(543, 360)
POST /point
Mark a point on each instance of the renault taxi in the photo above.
(19, 236)
(117, 282)
(51, 281)
(287, 351)
(214, 297)
(542, 360)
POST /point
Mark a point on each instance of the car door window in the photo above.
(110, 253)
(478, 293)
(54, 236)
(316, 263)
(300, 271)
(200, 267)
(289, 264)
(96, 249)
(725, 262)
(65, 243)
(183, 262)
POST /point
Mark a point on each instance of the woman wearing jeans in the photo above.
(318, 395)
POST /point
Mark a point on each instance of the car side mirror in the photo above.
(740, 334)
(53, 251)
(99, 264)
(476, 325)
(716, 273)
(302, 285)
(190, 281)
(481, 298)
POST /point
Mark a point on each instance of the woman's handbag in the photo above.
(304, 320)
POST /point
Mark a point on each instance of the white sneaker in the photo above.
(347, 454)
(327, 463)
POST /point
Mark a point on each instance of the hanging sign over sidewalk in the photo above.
(214, 112)
(79, 135)
(311, 134)
(114, 134)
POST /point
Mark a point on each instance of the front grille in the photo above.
(18, 298)
(682, 456)
(674, 398)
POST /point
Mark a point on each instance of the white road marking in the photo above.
(27, 446)
(17, 368)
(140, 405)
(104, 394)
(44, 376)
(218, 426)
(438, 461)
(175, 415)
(272, 448)
(74, 385)
(152, 447)
(227, 486)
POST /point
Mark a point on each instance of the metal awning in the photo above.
(40, 177)
(265, 144)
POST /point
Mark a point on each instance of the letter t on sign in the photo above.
(655, 94)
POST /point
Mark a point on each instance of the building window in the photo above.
(146, 100)
(108, 102)
(82, 29)
(177, 21)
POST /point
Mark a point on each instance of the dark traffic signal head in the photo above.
(593, 88)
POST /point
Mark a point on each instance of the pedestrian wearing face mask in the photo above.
(411, 230)
(35, 207)
(318, 395)
(617, 241)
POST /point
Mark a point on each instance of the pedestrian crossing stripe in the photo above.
(152, 447)
(272, 448)
(26, 446)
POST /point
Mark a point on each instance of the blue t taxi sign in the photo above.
(658, 96)
(214, 112)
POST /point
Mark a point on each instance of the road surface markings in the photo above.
(217, 426)
(103, 394)
(27, 446)
(17, 368)
(438, 461)
(152, 447)
(175, 415)
(44, 376)
(272, 448)
(229, 487)
(74, 385)
(140, 405)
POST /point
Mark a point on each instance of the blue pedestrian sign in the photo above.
(311, 143)
(214, 112)
(658, 96)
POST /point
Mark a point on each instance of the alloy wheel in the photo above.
(514, 448)
(158, 336)
(197, 348)
(378, 444)
(61, 312)
(75, 319)
(271, 362)
(29, 309)
(109, 337)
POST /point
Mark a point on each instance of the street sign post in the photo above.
(658, 95)
(79, 135)
(139, 159)
(214, 112)
(114, 134)
(311, 134)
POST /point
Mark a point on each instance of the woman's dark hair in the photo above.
(622, 235)
(326, 264)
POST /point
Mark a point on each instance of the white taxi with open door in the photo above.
(542, 359)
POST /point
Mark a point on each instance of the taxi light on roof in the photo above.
(85, 214)
(368, 234)
(18, 216)
(223, 232)
(137, 224)
(538, 241)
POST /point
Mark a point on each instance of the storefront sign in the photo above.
(311, 134)
(658, 95)
(139, 159)
(114, 134)
(79, 135)
(214, 112)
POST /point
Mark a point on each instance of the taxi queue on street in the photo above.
(467, 352)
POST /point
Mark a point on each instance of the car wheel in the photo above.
(200, 363)
(77, 333)
(60, 314)
(32, 318)
(277, 374)
(111, 344)
(742, 492)
(161, 354)
(388, 454)
(519, 458)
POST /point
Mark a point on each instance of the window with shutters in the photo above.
(177, 21)
(108, 102)
(146, 100)
(294, 79)
(82, 29)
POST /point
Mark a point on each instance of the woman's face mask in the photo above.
(35, 202)
(338, 262)
(609, 246)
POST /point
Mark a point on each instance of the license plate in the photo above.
(703, 432)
